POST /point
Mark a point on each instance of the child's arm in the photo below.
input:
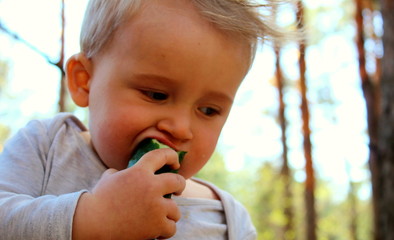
(129, 204)
(40, 186)
(25, 212)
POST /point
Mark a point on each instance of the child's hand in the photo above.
(129, 204)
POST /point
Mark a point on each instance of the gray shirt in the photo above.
(46, 167)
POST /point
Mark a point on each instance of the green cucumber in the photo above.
(151, 144)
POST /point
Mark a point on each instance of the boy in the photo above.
(167, 70)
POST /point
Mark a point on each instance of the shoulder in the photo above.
(62, 120)
(49, 126)
(36, 132)
(38, 135)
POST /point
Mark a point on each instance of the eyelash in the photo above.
(210, 112)
(159, 96)
(156, 96)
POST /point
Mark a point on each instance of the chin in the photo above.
(186, 174)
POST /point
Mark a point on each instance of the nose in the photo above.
(177, 124)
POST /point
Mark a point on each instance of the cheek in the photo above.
(109, 143)
(199, 155)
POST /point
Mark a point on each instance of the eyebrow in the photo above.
(221, 96)
(157, 78)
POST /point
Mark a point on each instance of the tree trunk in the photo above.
(352, 204)
(370, 92)
(384, 172)
(285, 172)
(60, 63)
(380, 110)
(310, 176)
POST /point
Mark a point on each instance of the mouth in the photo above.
(148, 145)
(142, 148)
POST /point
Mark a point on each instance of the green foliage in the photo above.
(270, 203)
(4, 130)
(3, 76)
(4, 134)
(335, 217)
(335, 17)
(262, 193)
(215, 171)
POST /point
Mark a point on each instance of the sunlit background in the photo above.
(251, 136)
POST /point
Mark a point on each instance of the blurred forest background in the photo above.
(308, 147)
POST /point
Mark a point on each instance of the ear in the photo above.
(78, 75)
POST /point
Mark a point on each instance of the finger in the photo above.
(156, 159)
(171, 183)
(169, 230)
(174, 213)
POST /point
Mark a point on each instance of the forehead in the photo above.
(176, 19)
(170, 38)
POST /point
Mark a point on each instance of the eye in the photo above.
(208, 111)
(157, 96)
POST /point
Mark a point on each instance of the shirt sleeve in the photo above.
(239, 223)
(25, 213)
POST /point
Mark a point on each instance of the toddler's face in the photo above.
(169, 75)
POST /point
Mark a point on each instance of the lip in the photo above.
(164, 141)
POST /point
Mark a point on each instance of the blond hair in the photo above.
(239, 18)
